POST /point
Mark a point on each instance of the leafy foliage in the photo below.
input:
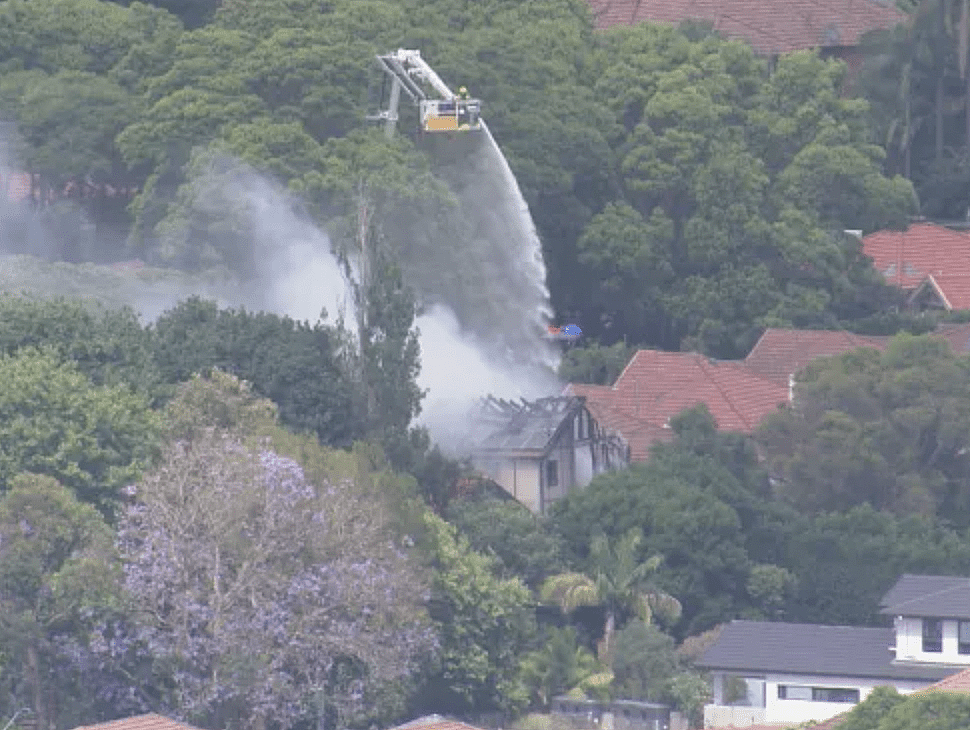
(252, 602)
(884, 429)
(560, 666)
(57, 574)
(107, 345)
(523, 543)
(294, 364)
(485, 623)
(620, 581)
(644, 662)
(94, 440)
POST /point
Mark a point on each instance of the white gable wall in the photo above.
(909, 643)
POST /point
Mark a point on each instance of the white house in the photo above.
(799, 672)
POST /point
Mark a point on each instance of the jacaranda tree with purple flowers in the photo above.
(264, 599)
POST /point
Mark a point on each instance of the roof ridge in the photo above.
(722, 391)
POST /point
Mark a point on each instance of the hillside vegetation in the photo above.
(228, 516)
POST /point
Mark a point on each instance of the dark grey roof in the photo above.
(849, 651)
(939, 596)
(502, 425)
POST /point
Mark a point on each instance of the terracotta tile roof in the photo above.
(141, 722)
(959, 682)
(958, 335)
(639, 434)
(435, 722)
(781, 352)
(657, 385)
(907, 257)
(952, 289)
(832, 722)
(769, 26)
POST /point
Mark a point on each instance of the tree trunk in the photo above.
(33, 675)
(606, 644)
(940, 73)
(966, 112)
(908, 155)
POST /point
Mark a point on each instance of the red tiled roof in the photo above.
(435, 722)
(639, 434)
(907, 257)
(832, 722)
(959, 682)
(958, 335)
(780, 353)
(141, 722)
(953, 289)
(657, 385)
(769, 26)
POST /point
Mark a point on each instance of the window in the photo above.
(834, 694)
(963, 640)
(552, 473)
(817, 694)
(793, 692)
(932, 635)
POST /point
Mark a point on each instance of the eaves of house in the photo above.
(959, 683)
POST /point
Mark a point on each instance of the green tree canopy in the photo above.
(485, 624)
(57, 573)
(107, 345)
(524, 544)
(735, 191)
(888, 429)
(293, 364)
(54, 421)
(618, 579)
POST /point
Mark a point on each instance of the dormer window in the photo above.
(932, 635)
(963, 634)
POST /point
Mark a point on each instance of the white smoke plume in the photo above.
(299, 276)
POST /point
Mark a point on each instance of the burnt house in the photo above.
(538, 451)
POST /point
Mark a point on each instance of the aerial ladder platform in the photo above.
(443, 111)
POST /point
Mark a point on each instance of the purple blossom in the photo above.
(249, 583)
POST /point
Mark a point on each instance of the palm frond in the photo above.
(665, 607)
(570, 591)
